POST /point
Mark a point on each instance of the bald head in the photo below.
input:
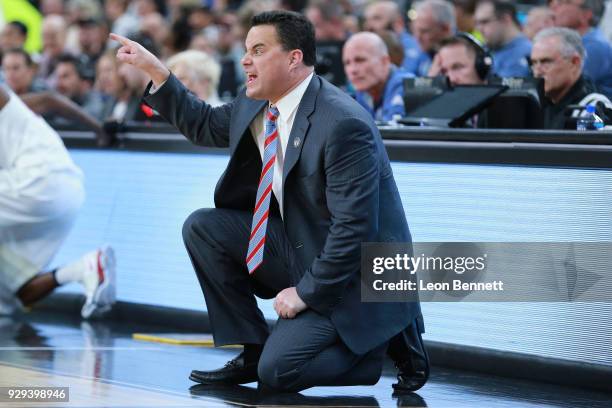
(368, 41)
(382, 16)
(54, 22)
(366, 63)
(53, 34)
(538, 19)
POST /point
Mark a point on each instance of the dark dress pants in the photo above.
(299, 353)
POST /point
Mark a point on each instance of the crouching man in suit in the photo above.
(307, 182)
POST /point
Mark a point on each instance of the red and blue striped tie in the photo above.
(257, 239)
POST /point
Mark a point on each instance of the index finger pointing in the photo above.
(119, 38)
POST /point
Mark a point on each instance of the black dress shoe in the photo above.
(409, 379)
(236, 371)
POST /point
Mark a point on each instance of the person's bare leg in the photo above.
(37, 288)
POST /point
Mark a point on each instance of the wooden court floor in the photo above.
(102, 366)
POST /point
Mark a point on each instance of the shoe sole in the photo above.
(221, 382)
(105, 295)
(402, 389)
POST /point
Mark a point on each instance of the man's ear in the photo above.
(296, 57)
(576, 62)
(447, 29)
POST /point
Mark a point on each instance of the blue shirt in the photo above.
(598, 61)
(392, 102)
(511, 60)
(423, 64)
(415, 60)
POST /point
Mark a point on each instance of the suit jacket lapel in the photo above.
(243, 117)
(300, 127)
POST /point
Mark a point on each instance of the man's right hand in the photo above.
(135, 54)
(436, 66)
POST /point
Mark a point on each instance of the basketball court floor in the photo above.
(103, 366)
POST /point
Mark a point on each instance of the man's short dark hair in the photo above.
(483, 60)
(502, 8)
(456, 40)
(293, 30)
(22, 28)
(80, 65)
(20, 51)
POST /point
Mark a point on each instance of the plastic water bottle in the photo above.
(590, 121)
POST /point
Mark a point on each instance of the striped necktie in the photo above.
(257, 239)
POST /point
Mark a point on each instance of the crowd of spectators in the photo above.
(365, 47)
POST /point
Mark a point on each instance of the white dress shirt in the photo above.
(287, 107)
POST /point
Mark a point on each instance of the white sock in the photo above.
(73, 272)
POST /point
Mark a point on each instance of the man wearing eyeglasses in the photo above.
(558, 57)
(584, 16)
(497, 21)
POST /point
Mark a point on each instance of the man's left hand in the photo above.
(288, 304)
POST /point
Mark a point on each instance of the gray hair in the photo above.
(442, 11)
(201, 65)
(570, 42)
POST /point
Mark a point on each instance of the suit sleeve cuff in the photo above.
(152, 88)
(315, 299)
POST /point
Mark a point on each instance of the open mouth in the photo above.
(251, 78)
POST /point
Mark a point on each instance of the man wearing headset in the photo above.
(463, 60)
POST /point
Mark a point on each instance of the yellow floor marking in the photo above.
(204, 340)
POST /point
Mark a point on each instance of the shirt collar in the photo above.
(289, 103)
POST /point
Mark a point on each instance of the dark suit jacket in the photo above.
(338, 191)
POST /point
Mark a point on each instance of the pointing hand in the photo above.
(135, 54)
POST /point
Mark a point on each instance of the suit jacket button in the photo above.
(298, 245)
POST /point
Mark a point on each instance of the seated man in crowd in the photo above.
(497, 21)
(41, 191)
(199, 72)
(538, 19)
(464, 12)
(584, 16)
(54, 37)
(19, 72)
(463, 61)
(75, 81)
(13, 35)
(434, 22)
(327, 18)
(378, 84)
(558, 56)
(91, 33)
(383, 16)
